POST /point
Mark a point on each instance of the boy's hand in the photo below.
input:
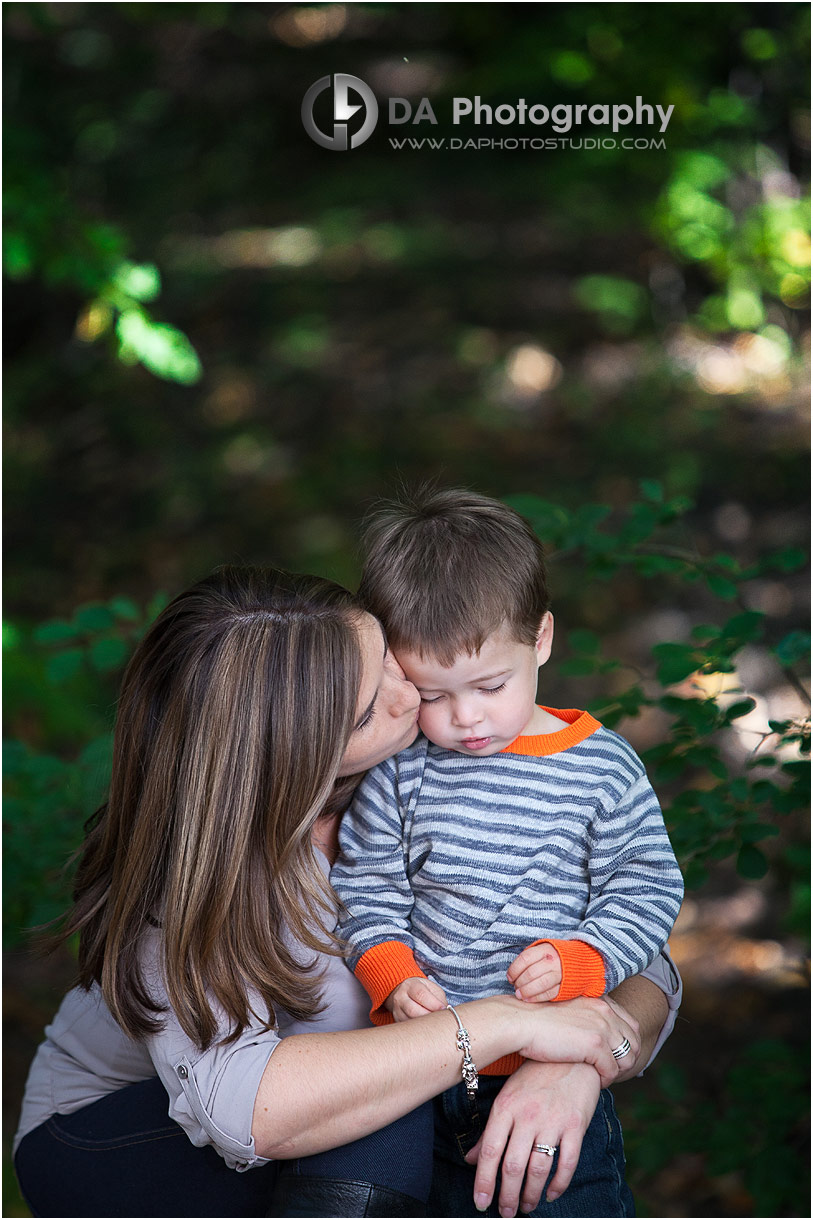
(536, 973)
(415, 998)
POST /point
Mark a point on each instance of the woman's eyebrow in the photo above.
(371, 704)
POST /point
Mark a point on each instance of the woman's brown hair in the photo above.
(233, 717)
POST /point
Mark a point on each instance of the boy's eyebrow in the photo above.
(500, 673)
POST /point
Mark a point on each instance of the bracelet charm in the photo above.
(468, 1069)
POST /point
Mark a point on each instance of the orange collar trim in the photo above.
(579, 725)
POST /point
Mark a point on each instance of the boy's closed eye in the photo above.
(484, 690)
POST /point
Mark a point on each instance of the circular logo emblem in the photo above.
(343, 110)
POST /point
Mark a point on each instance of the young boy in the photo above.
(513, 847)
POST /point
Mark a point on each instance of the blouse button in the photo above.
(183, 1072)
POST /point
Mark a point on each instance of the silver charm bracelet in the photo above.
(468, 1070)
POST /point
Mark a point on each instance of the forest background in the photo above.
(224, 342)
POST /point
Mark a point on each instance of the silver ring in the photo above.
(622, 1050)
(548, 1149)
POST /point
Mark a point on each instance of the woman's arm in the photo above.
(646, 1002)
(322, 1090)
(553, 1103)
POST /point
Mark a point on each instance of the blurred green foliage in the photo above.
(323, 322)
(761, 1104)
(59, 681)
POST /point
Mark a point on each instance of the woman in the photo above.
(203, 909)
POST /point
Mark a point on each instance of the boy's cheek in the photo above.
(428, 721)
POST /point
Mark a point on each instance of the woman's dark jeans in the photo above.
(123, 1156)
(598, 1187)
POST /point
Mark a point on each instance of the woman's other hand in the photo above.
(542, 1103)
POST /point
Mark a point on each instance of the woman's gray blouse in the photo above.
(86, 1055)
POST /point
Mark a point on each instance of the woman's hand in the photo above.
(579, 1031)
(542, 1103)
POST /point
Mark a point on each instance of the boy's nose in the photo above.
(466, 715)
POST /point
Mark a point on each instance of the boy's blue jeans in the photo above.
(598, 1187)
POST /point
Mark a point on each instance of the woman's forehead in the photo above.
(373, 648)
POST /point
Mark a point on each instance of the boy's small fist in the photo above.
(536, 973)
(415, 998)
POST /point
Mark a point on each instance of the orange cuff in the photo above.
(381, 969)
(582, 968)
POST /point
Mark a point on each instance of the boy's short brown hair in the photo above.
(444, 569)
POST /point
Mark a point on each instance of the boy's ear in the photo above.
(544, 641)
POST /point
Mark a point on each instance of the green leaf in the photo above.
(794, 647)
(751, 863)
(741, 708)
(720, 850)
(670, 768)
(612, 296)
(15, 755)
(745, 628)
(138, 280)
(654, 565)
(158, 603)
(675, 662)
(107, 654)
(739, 789)
(721, 586)
(798, 857)
(789, 559)
(64, 665)
(54, 632)
(585, 642)
(92, 618)
(652, 489)
(756, 831)
(162, 349)
(11, 636)
(706, 631)
(94, 766)
(125, 608)
(695, 875)
(701, 714)
(763, 760)
(578, 667)
(797, 919)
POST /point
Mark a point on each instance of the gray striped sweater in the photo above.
(466, 861)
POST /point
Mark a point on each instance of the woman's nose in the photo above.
(405, 696)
